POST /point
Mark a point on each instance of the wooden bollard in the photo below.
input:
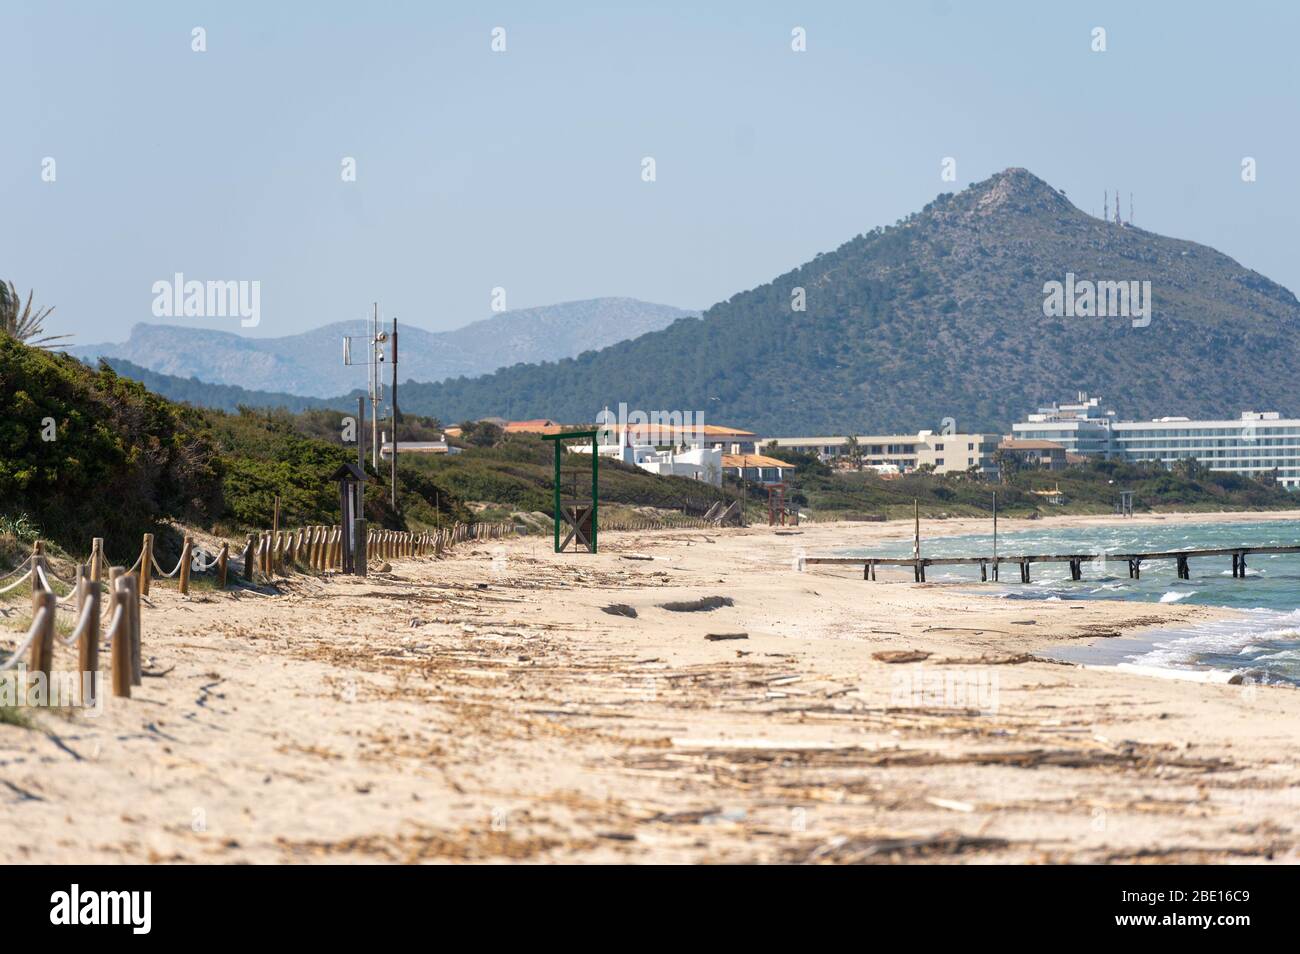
(146, 564)
(223, 564)
(42, 658)
(250, 555)
(130, 586)
(88, 648)
(97, 560)
(185, 566)
(291, 549)
(120, 636)
(81, 587)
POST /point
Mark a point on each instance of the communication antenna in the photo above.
(1105, 206)
(374, 355)
(1130, 208)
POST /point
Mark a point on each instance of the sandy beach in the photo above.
(487, 707)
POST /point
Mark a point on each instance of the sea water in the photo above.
(1264, 642)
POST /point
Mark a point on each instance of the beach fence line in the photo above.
(85, 602)
(270, 553)
(104, 599)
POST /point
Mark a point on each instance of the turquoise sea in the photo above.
(1264, 643)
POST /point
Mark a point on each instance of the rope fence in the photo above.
(84, 600)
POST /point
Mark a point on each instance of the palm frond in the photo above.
(19, 321)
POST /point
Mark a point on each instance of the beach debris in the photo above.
(714, 637)
(1010, 660)
(842, 850)
(418, 622)
(901, 655)
(948, 803)
(1024, 622)
(704, 604)
(635, 556)
(619, 609)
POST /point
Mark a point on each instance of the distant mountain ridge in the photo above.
(941, 315)
(310, 363)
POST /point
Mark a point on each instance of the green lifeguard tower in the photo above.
(579, 516)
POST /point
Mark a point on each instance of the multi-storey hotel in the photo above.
(946, 453)
(1256, 443)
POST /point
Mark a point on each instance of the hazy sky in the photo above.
(523, 169)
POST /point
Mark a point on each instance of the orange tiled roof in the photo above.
(539, 426)
(754, 460)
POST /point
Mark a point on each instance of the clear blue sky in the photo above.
(522, 169)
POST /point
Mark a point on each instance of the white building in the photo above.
(1081, 427)
(1256, 443)
(901, 453)
(697, 463)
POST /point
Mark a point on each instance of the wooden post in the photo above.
(131, 592)
(359, 546)
(43, 608)
(146, 564)
(250, 557)
(81, 587)
(120, 635)
(38, 563)
(97, 559)
(223, 563)
(185, 566)
(88, 649)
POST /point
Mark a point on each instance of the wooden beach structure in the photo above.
(991, 564)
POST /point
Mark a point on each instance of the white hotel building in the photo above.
(1256, 443)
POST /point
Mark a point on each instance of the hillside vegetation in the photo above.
(90, 453)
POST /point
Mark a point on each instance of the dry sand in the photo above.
(485, 708)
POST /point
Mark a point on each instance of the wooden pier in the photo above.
(989, 566)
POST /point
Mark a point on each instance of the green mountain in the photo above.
(941, 315)
(223, 397)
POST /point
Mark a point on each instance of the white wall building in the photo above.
(1258, 442)
(697, 463)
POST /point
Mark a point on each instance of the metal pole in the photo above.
(995, 535)
(361, 432)
(595, 470)
(394, 400)
(374, 388)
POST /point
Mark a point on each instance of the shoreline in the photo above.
(489, 707)
(1100, 653)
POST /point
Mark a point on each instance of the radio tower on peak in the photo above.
(1105, 206)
